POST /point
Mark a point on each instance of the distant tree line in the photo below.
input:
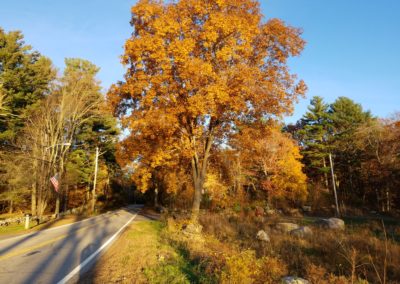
(365, 151)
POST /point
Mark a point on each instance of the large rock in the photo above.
(262, 236)
(302, 232)
(331, 223)
(270, 212)
(193, 229)
(192, 233)
(294, 280)
(286, 227)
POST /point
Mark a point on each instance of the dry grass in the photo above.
(216, 261)
(228, 248)
(126, 260)
(140, 256)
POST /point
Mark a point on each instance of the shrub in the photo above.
(166, 273)
(241, 268)
(271, 270)
(237, 208)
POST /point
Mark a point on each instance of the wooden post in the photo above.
(334, 186)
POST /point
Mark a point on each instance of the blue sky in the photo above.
(352, 45)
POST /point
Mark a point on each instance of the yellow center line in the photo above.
(23, 251)
(43, 244)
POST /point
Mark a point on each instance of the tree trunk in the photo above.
(40, 185)
(41, 199)
(33, 200)
(87, 198)
(66, 198)
(240, 191)
(325, 173)
(39, 211)
(60, 184)
(199, 175)
(156, 196)
(198, 188)
(41, 206)
(377, 199)
(199, 170)
(57, 209)
(10, 211)
(387, 200)
(34, 188)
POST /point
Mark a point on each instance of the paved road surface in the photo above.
(50, 256)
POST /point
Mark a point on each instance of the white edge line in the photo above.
(59, 227)
(93, 255)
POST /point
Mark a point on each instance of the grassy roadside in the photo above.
(141, 255)
(19, 229)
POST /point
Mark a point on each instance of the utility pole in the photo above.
(334, 186)
(95, 179)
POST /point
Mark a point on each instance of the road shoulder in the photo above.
(139, 256)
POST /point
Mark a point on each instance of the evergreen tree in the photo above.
(314, 136)
(346, 117)
(97, 130)
(25, 78)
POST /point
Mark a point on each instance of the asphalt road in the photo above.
(61, 254)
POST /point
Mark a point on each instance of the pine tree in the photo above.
(346, 116)
(314, 136)
(25, 78)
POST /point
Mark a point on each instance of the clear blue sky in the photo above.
(353, 46)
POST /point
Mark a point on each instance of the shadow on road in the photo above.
(81, 240)
(24, 238)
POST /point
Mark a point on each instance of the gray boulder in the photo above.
(262, 236)
(331, 223)
(302, 232)
(193, 229)
(286, 227)
(270, 212)
(294, 280)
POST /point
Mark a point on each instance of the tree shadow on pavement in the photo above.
(50, 263)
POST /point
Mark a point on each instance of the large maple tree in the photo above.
(196, 69)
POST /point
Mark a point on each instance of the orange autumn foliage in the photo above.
(197, 68)
(273, 159)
